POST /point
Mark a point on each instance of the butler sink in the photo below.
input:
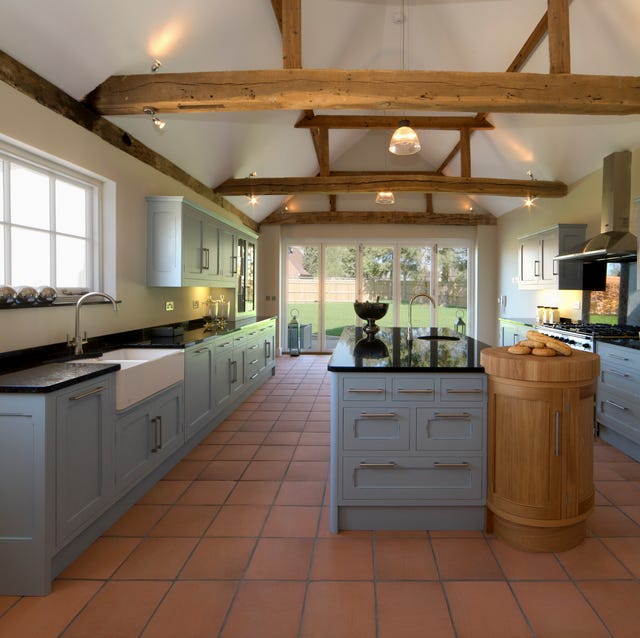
(143, 371)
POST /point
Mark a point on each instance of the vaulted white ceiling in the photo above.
(77, 44)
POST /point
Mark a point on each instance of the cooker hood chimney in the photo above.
(614, 243)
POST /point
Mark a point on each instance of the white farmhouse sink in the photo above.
(143, 371)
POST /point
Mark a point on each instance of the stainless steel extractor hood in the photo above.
(615, 243)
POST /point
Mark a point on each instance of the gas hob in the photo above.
(583, 336)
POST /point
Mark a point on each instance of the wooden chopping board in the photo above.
(580, 366)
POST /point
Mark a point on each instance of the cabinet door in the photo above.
(198, 384)
(228, 264)
(222, 378)
(529, 262)
(168, 423)
(84, 446)
(548, 253)
(135, 445)
(192, 248)
(524, 450)
(210, 248)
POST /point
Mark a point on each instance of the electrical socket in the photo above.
(195, 304)
(168, 306)
(576, 305)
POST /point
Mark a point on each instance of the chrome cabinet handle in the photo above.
(207, 263)
(616, 405)
(377, 466)
(267, 345)
(616, 373)
(88, 393)
(439, 464)
(367, 390)
(414, 391)
(617, 356)
(464, 391)
(253, 376)
(234, 378)
(536, 268)
(200, 350)
(154, 423)
(378, 415)
(557, 450)
(224, 345)
(252, 347)
(252, 363)
(159, 428)
(452, 415)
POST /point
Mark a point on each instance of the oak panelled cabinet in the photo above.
(540, 448)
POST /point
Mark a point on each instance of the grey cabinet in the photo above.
(146, 434)
(199, 384)
(228, 259)
(537, 266)
(408, 451)
(617, 400)
(511, 332)
(246, 280)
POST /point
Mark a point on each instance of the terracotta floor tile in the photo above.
(392, 533)
(239, 520)
(604, 472)
(47, 616)
(294, 415)
(265, 471)
(613, 521)
(230, 426)
(288, 426)
(314, 438)
(192, 610)
(267, 610)
(485, 610)
(412, 610)
(324, 530)
(257, 425)
(185, 520)
(603, 452)
(311, 453)
(137, 521)
(558, 609)
(616, 602)
(626, 550)
(293, 521)
(119, 609)
(281, 559)
(308, 471)
(456, 533)
(282, 438)
(217, 438)
(317, 426)
(592, 560)
(274, 453)
(156, 559)
(301, 493)
(629, 470)
(520, 565)
(219, 470)
(237, 452)
(348, 607)
(102, 558)
(620, 492)
(254, 493)
(6, 602)
(207, 493)
(218, 558)
(404, 559)
(465, 559)
(342, 558)
(203, 452)
(185, 471)
(247, 438)
(164, 493)
(600, 499)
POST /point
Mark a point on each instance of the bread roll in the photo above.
(531, 343)
(518, 350)
(537, 336)
(543, 352)
(559, 347)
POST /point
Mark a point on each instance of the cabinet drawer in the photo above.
(615, 356)
(226, 343)
(382, 428)
(463, 390)
(619, 412)
(449, 429)
(364, 388)
(425, 478)
(618, 379)
(413, 389)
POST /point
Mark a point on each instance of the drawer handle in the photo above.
(449, 391)
(377, 466)
(452, 415)
(252, 363)
(253, 376)
(378, 415)
(88, 393)
(616, 356)
(367, 390)
(224, 345)
(618, 374)
(154, 424)
(254, 347)
(200, 350)
(616, 405)
(412, 391)
(438, 464)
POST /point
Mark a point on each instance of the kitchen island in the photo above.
(408, 430)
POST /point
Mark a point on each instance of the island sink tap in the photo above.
(431, 314)
(78, 341)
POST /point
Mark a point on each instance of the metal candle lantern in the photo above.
(294, 334)
(460, 326)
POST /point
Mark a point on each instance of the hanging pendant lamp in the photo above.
(385, 197)
(404, 140)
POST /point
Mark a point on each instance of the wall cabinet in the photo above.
(246, 291)
(537, 266)
(617, 401)
(408, 451)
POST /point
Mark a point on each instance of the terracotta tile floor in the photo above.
(234, 543)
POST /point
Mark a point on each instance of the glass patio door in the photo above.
(339, 292)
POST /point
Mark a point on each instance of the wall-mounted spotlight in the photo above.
(149, 110)
(530, 199)
(253, 200)
(156, 65)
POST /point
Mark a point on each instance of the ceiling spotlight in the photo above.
(156, 65)
(404, 140)
(385, 197)
(528, 202)
(253, 200)
(158, 123)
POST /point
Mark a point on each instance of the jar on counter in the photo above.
(555, 314)
(539, 315)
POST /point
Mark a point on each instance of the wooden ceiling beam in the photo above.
(558, 27)
(320, 137)
(465, 152)
(291, 34)
(300, 89)
(392, 182)
(445, 123)
(379, 217)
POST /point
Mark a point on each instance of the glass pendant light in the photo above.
(385, 197)
(405, 140)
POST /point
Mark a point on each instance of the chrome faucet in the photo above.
(431, 316)
(78, 341)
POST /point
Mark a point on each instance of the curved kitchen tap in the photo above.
(431, 315)
(78, 341)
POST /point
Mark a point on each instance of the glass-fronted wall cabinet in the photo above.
(246, 255)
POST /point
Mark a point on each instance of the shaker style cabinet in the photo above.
(246, 284)
(537, 266)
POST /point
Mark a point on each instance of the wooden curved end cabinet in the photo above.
(540, 448)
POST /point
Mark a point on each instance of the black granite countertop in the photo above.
(53, 376)
(391, 350)
(634, 344)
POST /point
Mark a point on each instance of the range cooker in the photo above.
(583, 336)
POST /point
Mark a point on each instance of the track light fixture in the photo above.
(156, 65)
(530, 199)
(158, 123)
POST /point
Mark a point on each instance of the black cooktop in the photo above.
(601, 330)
